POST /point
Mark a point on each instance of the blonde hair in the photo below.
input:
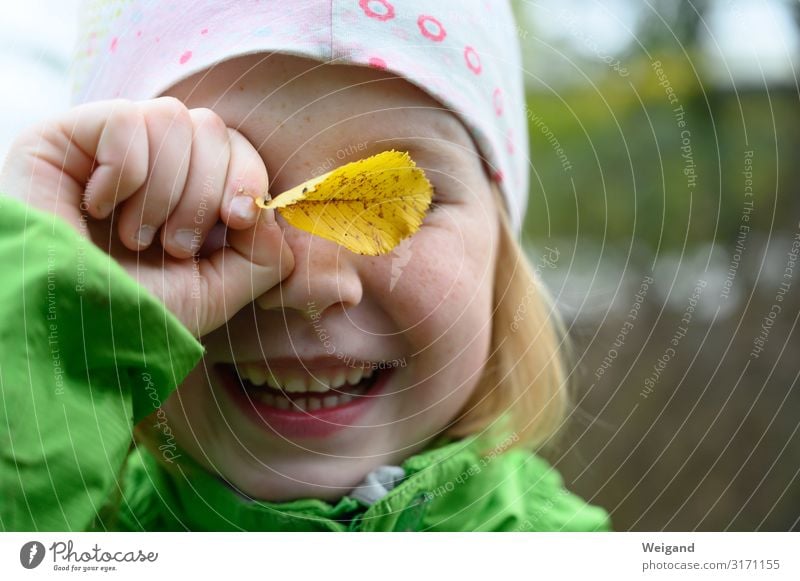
(523, 390)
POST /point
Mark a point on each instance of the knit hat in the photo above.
(464, 54)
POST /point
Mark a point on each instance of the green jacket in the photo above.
(80, 339)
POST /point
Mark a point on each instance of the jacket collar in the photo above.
(206, 502)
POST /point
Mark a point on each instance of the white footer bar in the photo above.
(385, 557)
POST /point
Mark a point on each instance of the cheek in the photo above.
(192, 414)
(440, 282)
(441, 303)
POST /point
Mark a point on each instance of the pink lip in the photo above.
(303, 424)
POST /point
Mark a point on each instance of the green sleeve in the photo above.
(85, 353)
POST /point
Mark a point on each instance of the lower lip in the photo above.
(299, 424)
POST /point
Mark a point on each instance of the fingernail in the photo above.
(144, 236)
(243, 207)
(187, 239)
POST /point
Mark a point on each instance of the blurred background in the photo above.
(665, 138)
(664, 218)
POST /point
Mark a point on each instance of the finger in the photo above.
(121, 160)
(169, 131)
(247, 180)
(263, 244)
(197, 211)
(89, 157)
(256, 260)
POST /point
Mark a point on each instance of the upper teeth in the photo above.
(298, 382)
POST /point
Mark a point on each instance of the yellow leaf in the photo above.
(367, 206)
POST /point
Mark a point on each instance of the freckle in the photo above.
(241, 87)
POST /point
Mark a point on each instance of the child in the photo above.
(175, 359)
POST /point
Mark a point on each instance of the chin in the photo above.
(327, 481)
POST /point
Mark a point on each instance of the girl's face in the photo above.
(420, 315)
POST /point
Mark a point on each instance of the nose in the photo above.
(325, 274)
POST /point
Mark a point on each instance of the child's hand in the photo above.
(155, 168)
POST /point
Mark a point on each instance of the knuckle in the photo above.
(120, 104)
(124, 124)
(210, 121)
(240, 141)
(247, 160)
(171, 110)
(169, 104)
(126, 150)
(127, 114)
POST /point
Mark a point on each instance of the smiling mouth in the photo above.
(305, 391)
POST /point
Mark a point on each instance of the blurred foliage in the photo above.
(624, 147)
(618, 130)
(715, 447)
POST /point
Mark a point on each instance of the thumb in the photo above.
(257, 259)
